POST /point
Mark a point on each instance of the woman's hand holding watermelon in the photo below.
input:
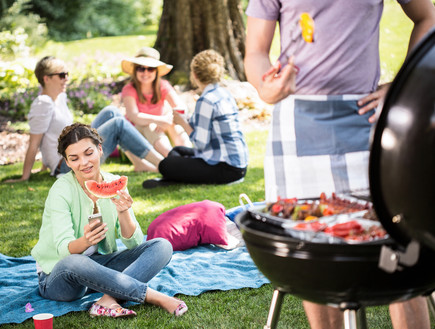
(124, 202)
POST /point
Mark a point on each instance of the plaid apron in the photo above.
(317, 144)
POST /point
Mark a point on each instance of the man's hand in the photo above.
(372, 101)
(277, 84)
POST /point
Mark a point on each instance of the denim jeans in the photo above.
(62, 169)
(117, 130)
(122, 274)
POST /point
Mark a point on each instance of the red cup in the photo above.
(181, 111)
(43, 321)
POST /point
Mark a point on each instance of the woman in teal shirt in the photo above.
(74, 257)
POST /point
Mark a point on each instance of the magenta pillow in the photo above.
(191, 225)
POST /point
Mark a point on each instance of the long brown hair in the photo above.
(157, 95)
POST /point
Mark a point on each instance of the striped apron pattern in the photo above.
(317, 143)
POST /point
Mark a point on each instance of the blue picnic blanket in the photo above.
(190, 272)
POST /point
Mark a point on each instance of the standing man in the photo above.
(325, 93)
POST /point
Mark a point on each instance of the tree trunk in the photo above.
(190, 26)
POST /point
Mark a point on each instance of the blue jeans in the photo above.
(122, 274)
(63, 169)
(117, 130)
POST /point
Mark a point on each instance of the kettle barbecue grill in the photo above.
(402, 189)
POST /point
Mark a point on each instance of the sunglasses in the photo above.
(143, 69)
(62, 75)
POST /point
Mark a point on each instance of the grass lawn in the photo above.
(125, 45)
(20, 213)
(22, 205)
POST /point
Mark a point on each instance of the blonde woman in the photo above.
(220, 154)
(149, 100)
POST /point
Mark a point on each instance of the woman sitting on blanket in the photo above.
(49, 114)
(220, 154)
(74, 257)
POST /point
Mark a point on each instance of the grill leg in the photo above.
(354, 316)
(350, 319)
(361, 318)
(275, 309)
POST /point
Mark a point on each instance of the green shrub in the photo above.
(17, 106)
(20, 31)
(17, 76)
(13, 44)
(18, 88)
(77, 19)
(151, 11)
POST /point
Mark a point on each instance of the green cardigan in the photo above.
(65, 215)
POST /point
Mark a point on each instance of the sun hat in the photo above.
(146, 56)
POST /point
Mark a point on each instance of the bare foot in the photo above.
(170, 304)
(143, 166)
(140, 165)
(108, 301)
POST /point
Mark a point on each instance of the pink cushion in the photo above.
(191, 225)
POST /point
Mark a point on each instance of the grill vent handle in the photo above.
(242, 197)
(391, 260)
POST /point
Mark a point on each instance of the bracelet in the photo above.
(124, 210)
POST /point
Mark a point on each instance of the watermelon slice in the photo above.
(106, 190)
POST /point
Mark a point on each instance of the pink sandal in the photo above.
(99, 310)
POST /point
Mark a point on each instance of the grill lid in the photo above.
(402, 157)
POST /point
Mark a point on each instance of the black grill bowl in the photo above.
(332, 273)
